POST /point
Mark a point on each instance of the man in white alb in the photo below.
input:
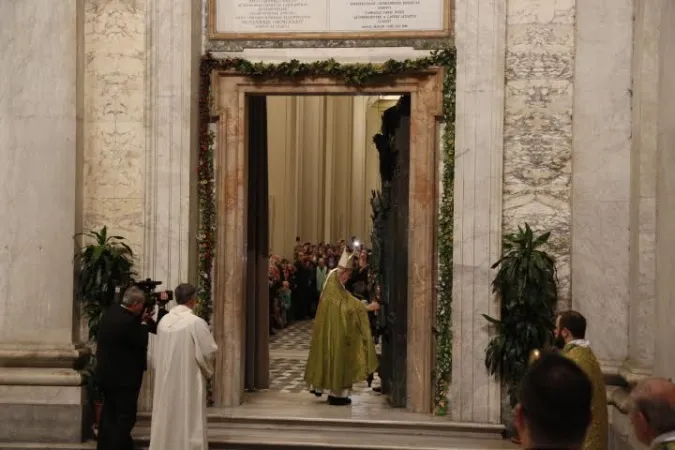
(183, 356)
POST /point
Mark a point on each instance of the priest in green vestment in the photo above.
(653, 413)
(570, 336)
(342, 351)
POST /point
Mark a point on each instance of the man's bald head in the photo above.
(653, 409)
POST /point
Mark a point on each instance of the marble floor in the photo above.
(288, 356)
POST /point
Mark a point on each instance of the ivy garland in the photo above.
(443, 368)
(353, 75)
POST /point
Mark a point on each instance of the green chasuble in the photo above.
(342, 351)
(597, 433)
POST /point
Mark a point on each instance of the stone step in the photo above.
(288, 434)
(47, 446)
(237, 430)
(233, 437)
(426, 426)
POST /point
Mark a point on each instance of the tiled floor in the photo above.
(288, 356)
(295, 337)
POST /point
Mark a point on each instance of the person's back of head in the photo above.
(573, 322)
(653, 411)
(186, 294)
(555, 406)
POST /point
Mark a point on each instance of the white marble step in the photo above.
(250, 438)
(47, 446)
(258, 437)
(430, 427)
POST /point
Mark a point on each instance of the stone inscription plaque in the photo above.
(328, 19)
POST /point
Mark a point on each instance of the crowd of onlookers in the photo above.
(295, 285)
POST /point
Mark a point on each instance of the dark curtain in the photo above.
(257, 248)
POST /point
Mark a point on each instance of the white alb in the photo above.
(182, 358)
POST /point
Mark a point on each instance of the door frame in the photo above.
(229, 308)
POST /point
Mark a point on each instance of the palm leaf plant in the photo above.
(101, 266)
(526, 285)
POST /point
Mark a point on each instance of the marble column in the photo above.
(601, 162)
(664, 360)
(480, 37)
(41, 393)
(645, 110)
(173, 30)
(173, 48)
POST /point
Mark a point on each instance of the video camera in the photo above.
(153, 298)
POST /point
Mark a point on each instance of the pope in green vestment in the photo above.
(342, 351)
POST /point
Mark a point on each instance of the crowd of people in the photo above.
(295, 286)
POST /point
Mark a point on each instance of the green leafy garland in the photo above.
(207, 226)
(443, 368)
(353, 75)
(206, 234)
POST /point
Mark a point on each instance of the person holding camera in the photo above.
(183, 361)
(121, 361)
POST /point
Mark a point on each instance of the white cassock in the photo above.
(183, 354)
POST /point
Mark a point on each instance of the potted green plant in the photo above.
(102, 265)
(526, 285)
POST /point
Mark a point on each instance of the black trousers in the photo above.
(118, 418)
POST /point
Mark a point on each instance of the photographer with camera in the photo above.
(122, 359)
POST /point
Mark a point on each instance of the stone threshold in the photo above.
(246, 437)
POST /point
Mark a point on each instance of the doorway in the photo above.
(239, 327)
(322, 171)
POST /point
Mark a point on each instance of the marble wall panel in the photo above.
(114, 115)
(480, 30)
(645, 105)
(38, 130)
(41, 399)
(538, 124)
(349, 44)
(602, 172)
(664, 358)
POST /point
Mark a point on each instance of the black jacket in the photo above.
(122, 348)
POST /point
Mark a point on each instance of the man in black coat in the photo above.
(121, 360)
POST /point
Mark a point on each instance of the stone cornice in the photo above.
(43, 356)
(15, 376)
(632, 374)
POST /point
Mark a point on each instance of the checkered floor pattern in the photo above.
(294, 337)
(286, 375)
(287, 366)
